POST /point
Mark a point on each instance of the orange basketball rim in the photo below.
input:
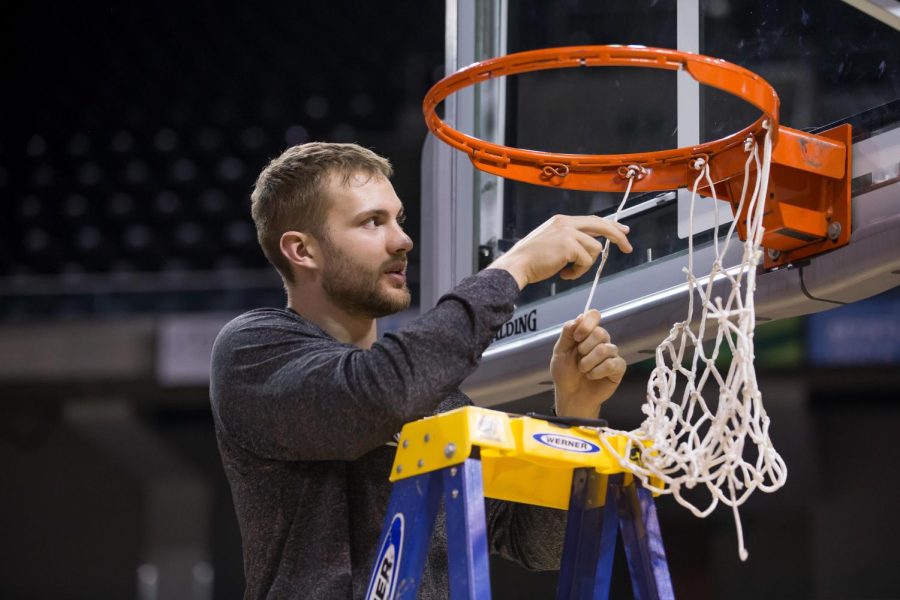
(808, 208)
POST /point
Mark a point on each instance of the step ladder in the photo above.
(465, 455)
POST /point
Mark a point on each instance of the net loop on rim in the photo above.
(632, 171)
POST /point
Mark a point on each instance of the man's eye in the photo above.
(401, 219)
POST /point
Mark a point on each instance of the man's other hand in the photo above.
(586, 368)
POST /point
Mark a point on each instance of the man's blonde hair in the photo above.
(290, 193)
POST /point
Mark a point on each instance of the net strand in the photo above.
(632, 172)
(700, 438)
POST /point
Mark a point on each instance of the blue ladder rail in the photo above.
(598, 506)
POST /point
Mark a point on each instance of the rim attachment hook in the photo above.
(551, 170)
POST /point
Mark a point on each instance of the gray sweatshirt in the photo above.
(302, 422)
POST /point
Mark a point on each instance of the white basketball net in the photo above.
(705, 424)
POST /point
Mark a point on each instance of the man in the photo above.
(305, 399)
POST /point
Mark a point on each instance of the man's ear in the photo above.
(300, 249)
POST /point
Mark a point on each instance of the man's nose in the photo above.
(400, 242)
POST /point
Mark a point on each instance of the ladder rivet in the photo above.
(453, 472)
(406, 443)
(399, 468)
(454, 494)
(450, 450)
(427, 438)
(421, 463)
(834, 231)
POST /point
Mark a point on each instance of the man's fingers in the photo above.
(597, 356)
(595, 337)
(587, 227)
(591, 244)
(583, 251)
(597, 226)
(586, 326)
(566, 341)
(580, 260)
(611, 368)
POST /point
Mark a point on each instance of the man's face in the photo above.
(364, 247)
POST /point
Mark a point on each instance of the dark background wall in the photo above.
(130, 137)
(132, 133)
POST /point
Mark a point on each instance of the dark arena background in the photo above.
(130, 137)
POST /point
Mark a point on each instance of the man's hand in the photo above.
(586, 368)
(564, 245)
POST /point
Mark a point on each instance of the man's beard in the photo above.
(357, 289)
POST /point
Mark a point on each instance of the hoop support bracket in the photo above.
(808, 205)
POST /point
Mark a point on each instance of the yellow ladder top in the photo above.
(523, 459)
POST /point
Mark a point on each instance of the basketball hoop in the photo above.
(787, 188)
(809, 187)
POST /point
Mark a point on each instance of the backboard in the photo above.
(831, 62)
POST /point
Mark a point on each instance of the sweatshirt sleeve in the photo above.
(529, 535)
(286, 393)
